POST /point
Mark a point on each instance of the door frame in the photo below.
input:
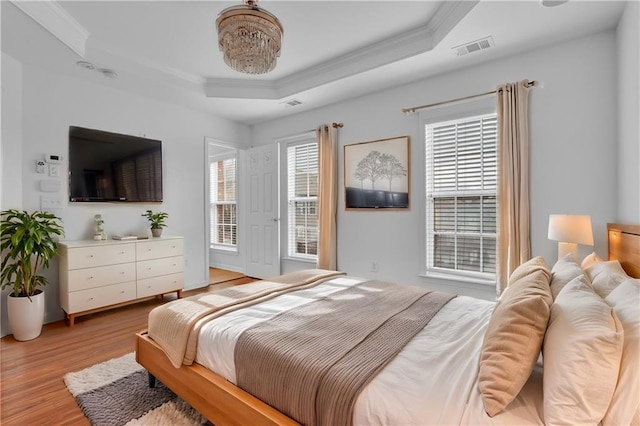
(208, 141)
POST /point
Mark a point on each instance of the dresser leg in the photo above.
(179, 293)
(72, 318)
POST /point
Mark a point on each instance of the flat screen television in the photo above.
(106, 166)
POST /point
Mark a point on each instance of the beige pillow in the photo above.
(590, 260)
(582, 351)
(605, 276)
(530, 266)
(625, 300)
(513, 339)
(564, 270)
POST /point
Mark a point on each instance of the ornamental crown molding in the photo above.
(407, 44)
(55, 19)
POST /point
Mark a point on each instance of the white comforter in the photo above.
(433, 380)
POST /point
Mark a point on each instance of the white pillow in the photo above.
(564, 270)
(582, 350)
(605, 276)
(592, 259)
(625, 300)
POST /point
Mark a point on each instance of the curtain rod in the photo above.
(412, 110)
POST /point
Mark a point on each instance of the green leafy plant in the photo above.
(28, 243)
(156, 219)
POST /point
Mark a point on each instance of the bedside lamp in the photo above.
(569, 231)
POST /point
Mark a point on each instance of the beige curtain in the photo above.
(327, 136)
(514, 245)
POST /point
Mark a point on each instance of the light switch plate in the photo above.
(54, 170)
(50, 202)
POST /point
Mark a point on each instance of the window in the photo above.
(461, 172)
(224, 218)
(302, 199)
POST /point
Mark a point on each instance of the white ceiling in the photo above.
(332, 50)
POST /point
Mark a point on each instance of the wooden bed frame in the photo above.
(226, 404)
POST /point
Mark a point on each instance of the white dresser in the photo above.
(101, 274)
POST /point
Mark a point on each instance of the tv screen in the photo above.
(106, 166)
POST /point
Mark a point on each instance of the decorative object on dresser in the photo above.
(99, 274)
(100, 232)
(156, 220)
(28, 243)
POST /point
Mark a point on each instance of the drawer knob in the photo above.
(122, 292)
(173, 246)
(91, 298)
(174, 264)
(90, 278)
(90, 255)
(148, 269)
(122, 273)
(121, 252)
(148, 249)
(148, 286)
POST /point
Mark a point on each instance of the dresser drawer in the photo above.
(88, 257)
(85, 300)
(83, 279)
(158, 249)
(159, 267)
(159, 285)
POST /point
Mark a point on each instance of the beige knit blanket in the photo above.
(175, 326)
(312, 362)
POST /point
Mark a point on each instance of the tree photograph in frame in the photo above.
(376, 174)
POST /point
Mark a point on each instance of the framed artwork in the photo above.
(376, 174)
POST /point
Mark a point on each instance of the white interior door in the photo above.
(263, 251)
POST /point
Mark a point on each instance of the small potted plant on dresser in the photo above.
(28, 243)
(156, 220)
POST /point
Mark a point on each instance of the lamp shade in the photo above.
(571, 229)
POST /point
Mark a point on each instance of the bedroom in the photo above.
(587, 95)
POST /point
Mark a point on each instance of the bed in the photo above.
(453, 370)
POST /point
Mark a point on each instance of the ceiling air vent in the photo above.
(474, 46)
(291, 103)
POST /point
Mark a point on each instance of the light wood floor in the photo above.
(32, 391)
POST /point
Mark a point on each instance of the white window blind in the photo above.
(222, 184)
(461, 166)
(302, 199)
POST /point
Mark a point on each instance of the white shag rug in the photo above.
(117, 392)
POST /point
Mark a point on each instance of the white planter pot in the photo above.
(26, 316)
(156, 232)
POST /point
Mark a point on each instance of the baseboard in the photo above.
(227, 267)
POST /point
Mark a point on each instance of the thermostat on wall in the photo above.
(53, 158)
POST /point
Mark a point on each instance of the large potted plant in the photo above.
(28, 243)
(156, 221)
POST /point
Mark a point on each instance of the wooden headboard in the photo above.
(624, 245)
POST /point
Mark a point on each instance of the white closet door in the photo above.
(263, 251)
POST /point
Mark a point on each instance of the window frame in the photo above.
(288, 249)
(233, 154)
(469, 109)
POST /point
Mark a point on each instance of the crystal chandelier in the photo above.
(249, 38)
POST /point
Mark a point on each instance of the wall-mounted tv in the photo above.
(106, 166)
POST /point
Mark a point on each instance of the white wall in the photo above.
(52, 102)
(573, 152)
(11, 152)
(628, 38)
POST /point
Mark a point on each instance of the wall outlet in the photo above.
(374, 266)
